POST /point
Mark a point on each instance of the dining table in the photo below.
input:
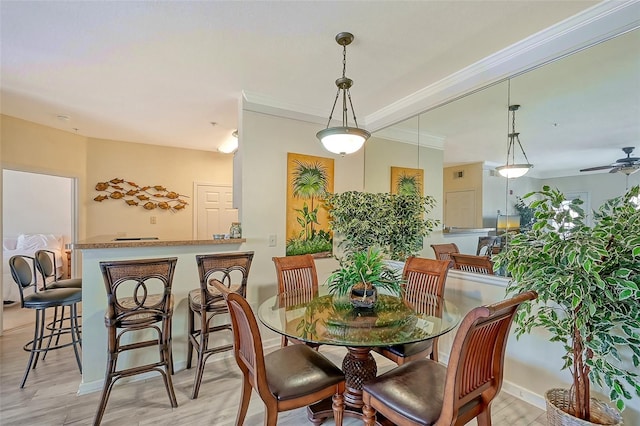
(322, 318)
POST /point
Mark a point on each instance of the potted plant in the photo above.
(359, 275)
(587, 279)
(396, 224)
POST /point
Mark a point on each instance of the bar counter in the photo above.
(94, 300)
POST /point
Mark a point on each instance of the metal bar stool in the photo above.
(47, 266)
(24, 275)
(206, 302)
(139, 298)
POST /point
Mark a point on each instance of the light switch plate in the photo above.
(273, 240)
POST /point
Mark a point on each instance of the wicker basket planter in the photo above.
(558, 403)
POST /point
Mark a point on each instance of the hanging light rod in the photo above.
(511, 170)
(343, 139)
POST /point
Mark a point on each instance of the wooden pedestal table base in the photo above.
(359, 366)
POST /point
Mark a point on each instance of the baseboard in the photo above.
(524, 394)
(97, 385)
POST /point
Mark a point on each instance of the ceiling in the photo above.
(162, 72)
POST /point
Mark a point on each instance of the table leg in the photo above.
(358, 366)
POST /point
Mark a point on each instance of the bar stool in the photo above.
(139, 298)
(232, 269)
(47, 266)
(24, 276)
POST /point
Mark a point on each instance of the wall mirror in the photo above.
(576, 112)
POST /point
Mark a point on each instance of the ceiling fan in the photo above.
(628, 165)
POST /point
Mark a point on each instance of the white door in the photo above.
(460, 209)
(214, 210)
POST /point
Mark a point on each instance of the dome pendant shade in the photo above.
(343, 139)
(511, 170)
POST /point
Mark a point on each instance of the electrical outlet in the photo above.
(153, 220)
(272, 240)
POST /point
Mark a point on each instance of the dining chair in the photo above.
(488, 246)
(297, 275)
(443, 251)
(423, 289)
(471, 263)
(425, 392)
(46, 265)
(206, 303)
(138, 298)
(290, 377)
(23, 272)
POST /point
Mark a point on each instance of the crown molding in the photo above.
(588, 28)
(256, 102)
(408, 136)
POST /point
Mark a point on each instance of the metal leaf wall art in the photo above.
(147, 197)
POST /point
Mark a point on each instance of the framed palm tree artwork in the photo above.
(309, 180)
(407, 181)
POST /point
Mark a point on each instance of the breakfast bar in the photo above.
(94, 336)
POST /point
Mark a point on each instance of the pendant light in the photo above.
(513, 170)
(343, 139)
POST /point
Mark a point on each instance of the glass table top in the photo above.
(328, 319)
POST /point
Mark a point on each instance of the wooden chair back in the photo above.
(296, 273)
(475, 368)
(443, 251)
(138, 291)
(247, 346)
(471, 263)
(487, 246)
(231, 269)
(424, 277)
(297, 276)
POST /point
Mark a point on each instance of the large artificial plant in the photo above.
(587, 279)
(393, 223)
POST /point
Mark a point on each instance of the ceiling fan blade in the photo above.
(614, 170)
(591, 169)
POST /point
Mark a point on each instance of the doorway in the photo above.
(213, 212)
(32, 203)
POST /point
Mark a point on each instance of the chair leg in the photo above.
(75, 337)
(41, 336)
(484, 418)
(108, 384)
(191, 329)
(338, 408)
(165, 356)
(368, 415)
(434, 350)
(32, 345)
(244, 401)
(271, 417)
(53, 327)
(201, 352)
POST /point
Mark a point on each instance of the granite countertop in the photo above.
(130, 243)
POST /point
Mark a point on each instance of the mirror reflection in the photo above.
(576, 113)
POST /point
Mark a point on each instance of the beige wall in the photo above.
(31, 147)
(174, 168)
(264, 143)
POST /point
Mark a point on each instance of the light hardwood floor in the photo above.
(50, 395)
